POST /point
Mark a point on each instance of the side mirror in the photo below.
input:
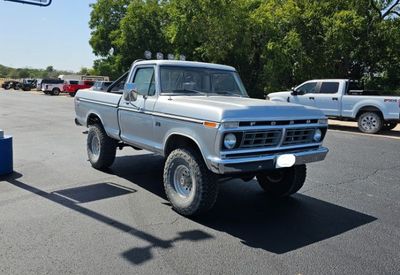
(130, 92)
(294, 92)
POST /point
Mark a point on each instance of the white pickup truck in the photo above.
(52, 86)
(341, 99)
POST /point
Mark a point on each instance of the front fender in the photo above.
(203, 137)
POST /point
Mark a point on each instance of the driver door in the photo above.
(306, 94)
(135, 117)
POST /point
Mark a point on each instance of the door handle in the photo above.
(312, 98)
(335, 98)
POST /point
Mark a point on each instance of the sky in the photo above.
(37, 37)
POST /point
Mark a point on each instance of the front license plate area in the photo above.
(285, 161)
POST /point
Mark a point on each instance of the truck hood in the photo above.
(224, 108)
(280, 94)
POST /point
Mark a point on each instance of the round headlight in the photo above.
(229, 141)
(317, 135)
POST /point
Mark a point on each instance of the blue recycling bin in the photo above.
(6, 154)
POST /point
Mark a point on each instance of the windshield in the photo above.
(203, 81)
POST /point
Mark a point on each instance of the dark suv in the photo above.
(28, 84)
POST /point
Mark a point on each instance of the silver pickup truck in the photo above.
(200, 118)
(342, 99)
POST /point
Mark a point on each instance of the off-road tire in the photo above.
(370, 122)
(72, 94)
(105, 156)
(389, 126)
(55, 91)
(204, 187)
(281, 183)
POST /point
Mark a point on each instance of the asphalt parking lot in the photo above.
(58, 215)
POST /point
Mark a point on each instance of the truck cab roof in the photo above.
(185, 64)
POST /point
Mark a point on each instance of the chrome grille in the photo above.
(256, 139)
(298, 136)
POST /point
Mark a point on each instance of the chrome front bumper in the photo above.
(262, 163)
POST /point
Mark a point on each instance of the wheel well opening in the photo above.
(178, 141)
(93, 119)
(369, 109)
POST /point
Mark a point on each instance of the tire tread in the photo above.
(207, 190)
(108, 148)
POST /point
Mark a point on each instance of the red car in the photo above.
(72, 86)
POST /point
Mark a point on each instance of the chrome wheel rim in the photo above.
(183, 181)
(95, 146)
(369, 122)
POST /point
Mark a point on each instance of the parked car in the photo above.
(200, 118)
(341, 99)
(52, 86)
(11, 84)
(72, 86)
(28, 84)
(101, 85)
(5, 85)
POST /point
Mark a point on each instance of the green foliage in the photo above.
(49, 72)
(274, 44)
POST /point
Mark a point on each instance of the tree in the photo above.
(105, 24)
(141, 29)
(23, 73)
(274, 44)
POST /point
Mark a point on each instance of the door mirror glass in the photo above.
(130, 92)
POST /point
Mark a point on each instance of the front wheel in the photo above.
(72, 94)
(190, 187)
(283, 182)
(101, 149)
(370, 123)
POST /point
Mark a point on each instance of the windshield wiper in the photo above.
(228, 93)
(183, 91)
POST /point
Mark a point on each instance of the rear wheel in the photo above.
(190, 187)
(55, 91)
(101, 149)
(370, 122)
(72, 94)
(389, 126)
(283, 182)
